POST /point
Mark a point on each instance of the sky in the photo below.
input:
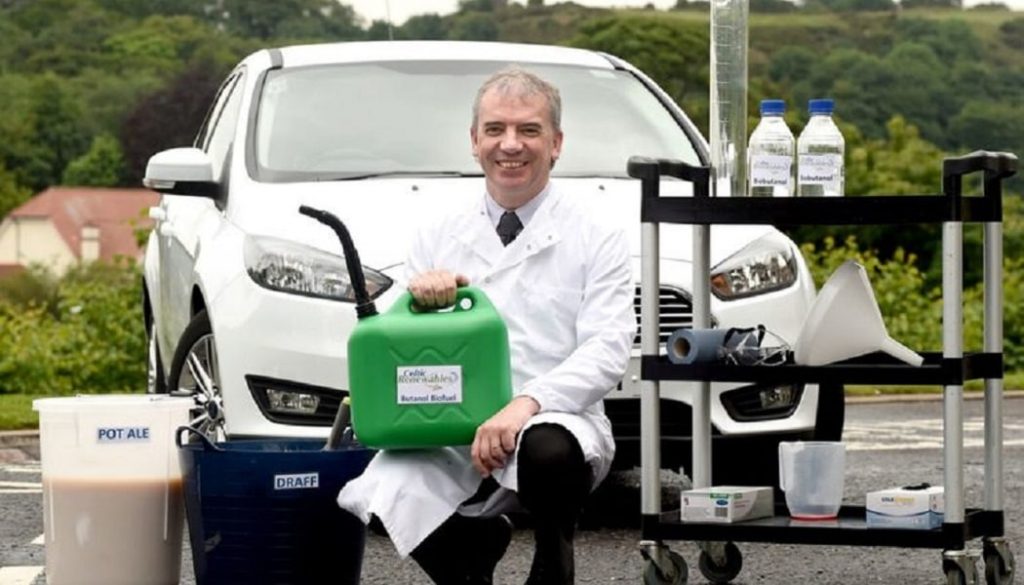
(402, 9)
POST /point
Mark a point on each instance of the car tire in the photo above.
(194, 373)
(156, 381)
(828, 424)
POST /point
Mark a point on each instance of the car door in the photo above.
(181, 230)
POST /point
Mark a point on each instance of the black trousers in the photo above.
(554, 480)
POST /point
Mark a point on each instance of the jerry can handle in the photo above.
(207, 444)
(475, 295)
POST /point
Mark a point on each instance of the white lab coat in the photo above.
(565, 291)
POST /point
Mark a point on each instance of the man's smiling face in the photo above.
(516, 144)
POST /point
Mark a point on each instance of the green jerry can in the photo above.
(428, 379)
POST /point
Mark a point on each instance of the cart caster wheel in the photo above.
(999, 562)
(678, 573)
(960, 567)
(721, 573)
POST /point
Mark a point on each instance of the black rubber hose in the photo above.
(364, 306)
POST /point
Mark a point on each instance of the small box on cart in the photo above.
(727, 504)
(921, 507)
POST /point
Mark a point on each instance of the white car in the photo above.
(248, 303)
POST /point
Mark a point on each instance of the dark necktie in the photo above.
(509, 227)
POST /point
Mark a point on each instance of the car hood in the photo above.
(383, 214)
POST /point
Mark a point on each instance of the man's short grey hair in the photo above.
(516, 81)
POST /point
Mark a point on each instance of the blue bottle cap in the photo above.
(773, 107)
(821, 106)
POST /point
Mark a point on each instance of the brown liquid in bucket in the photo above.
(107, 532)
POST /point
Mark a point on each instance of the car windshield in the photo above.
(351, 121)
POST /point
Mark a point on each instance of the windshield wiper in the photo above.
(384, 174)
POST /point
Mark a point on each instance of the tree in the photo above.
(72, 41)
(58, 130)
(101, 166)
(11, 193)
(475, 26)
(168, 117)
(382, 30)
(1012, 32)
(482, 5)
(297, 19)
(673, 52)
(770, 6)
(425, 27)
(902, 163)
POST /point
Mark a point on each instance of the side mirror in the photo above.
(181, 171)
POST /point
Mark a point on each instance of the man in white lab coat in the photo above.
(561, 281)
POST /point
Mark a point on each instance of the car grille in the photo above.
(676, 313)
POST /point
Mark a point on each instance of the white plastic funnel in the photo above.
(844, 322)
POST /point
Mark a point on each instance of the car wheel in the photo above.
(194, 373)
(828, 424)
(156, 382)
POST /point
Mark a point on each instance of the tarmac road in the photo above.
(888, 444)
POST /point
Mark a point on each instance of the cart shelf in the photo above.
(850, 528)
(875, 368)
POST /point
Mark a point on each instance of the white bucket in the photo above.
(112, 500)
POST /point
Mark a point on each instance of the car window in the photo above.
(224, 121)
(203, 136)
(344, 121)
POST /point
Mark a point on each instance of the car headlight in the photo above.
(767, 264)
(290, 267)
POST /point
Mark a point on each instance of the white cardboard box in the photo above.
(727, 504)
(906, 508)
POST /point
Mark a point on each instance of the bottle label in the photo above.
(770, 170)
(821, 169)
(430, 384)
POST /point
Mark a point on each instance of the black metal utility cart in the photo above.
(720, 560)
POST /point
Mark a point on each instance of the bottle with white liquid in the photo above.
(820, 151)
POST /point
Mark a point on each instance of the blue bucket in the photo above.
(265, 511)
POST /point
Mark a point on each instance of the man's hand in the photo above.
(435, 289)
(496, 439)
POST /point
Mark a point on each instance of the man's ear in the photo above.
(556, 150)
(473, 142)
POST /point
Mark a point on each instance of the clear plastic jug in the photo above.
(811, 474)
(112, 489)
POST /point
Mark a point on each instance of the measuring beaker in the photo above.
(811, 474)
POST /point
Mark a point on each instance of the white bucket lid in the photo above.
(108, 402)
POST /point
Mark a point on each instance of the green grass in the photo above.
(16, 412)
(1012, 381)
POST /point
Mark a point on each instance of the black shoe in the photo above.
(554, 560)
(491, 540)
(465, 551)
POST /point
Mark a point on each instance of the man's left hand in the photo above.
(496, 439)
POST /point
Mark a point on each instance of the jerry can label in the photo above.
(430, 384)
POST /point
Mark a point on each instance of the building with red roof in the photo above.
(63, 226)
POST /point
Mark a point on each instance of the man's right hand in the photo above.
(435, 289)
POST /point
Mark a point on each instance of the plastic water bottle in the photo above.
(820, 150)
(771, 153)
